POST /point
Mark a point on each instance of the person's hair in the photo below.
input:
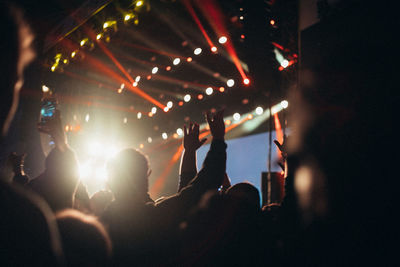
(84, 239)
(128, 170)
(245, 192)
(16, 53)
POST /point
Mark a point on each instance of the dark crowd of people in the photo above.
(330, 215)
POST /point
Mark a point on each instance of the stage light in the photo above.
(180, 103)
(222, 89)
(87, 117)
(236, 116)
(154, 70)
(148, 77)
(168, 68)
(200, 97)
(139, 3)
(222, 40)
(108, 24)
(285, 63)
(197, 51)
(284, 104)
(166, 109)
(153, 110)
(250, 116)
(66, 128)
(170, 104)
(176, 61)
(242, 36)
(135, 84)
(139, 115)
(259, 110)
(246, 81)
(272, 22)
(150, 114)
(228, 122)
(214, 49)
(149, 140)
(189, 59)
(122, 85)
(119, 90)
(187, 98)
(179, 131)
(164, 136)
(230, 82)
(73, 54)
(128, 17)
(175, 135)
(241, 17)
(66, 61)
(137, 79)
(141, 146)
(45, 89)
(98, 36)
(209, 91)
(125, 120)
(83, 41)
(53, 68)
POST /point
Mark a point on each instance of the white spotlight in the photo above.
(164, 136)
(230, 82)
(134, 84)
(45, 89)
(197, 51)
(176, 61)
(166, 109)
(284, 104)
(154, 70)
(139, 115)
(170, 104)
(153, 110)
(186, 98)
(236, 116)
(137, 79)
(222, 39)
(179, 131)
(259, 110)
(209, 91)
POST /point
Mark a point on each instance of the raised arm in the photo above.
(191, 142)
(53, 127)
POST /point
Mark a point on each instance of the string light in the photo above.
(176, 61)
(187, 98)
(154, 70)
(230, 82)
(222, 89)
(189, 59)
(166, 109)
(200, 97)
(170, 104)
(197, 51)
(209, 91)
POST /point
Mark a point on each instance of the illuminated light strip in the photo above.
(197, 20)
(214, 16)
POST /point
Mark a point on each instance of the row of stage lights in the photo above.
(108, 27)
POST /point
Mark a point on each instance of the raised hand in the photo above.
(217, 125)
(54, 128)
(191, 140)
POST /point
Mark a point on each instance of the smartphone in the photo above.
(48, 109)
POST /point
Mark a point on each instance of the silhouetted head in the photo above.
(84, 238)
(245, 192)
(16, 53)
(128, 174)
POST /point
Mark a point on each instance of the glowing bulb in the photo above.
(134, 84)
(230, 82)
(73, 54)
(179, 131)
(82, 43)
(222, 89)
(139, 3)
(214, 49)
(285, 63)
(222, 40)
(236, 116)
(241, 17)
(200, 97)
(166, 109)
(186, 98)
(98, 36)
(45, 89)
(87, 117)
(176, 61)
(209, 91)
(127, 17)
(164, 136)
(153, 110)
(170, 104)
(272, 22)
(154, 70)
(197, 51)
(246, 81)
(259, 110)
(149, 139)
(189, 59)
(284, 104)
(139, 115)
(137, 79)
(53, 68)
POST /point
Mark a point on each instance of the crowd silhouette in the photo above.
(325, 219)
